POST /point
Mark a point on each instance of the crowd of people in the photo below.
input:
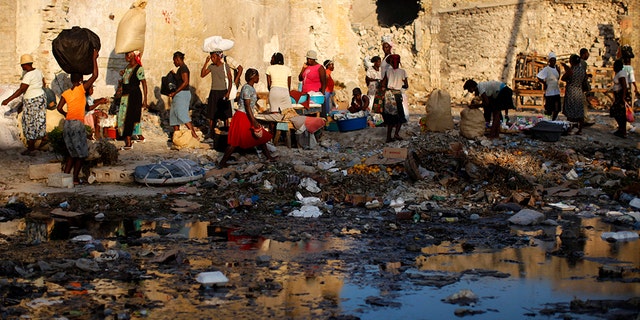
(497, 96)
(239, 113)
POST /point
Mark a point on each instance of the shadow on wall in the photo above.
(515, 30)
(115, 64)
(398, 12)
(607, 33)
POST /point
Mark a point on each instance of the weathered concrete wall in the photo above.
(449, 41)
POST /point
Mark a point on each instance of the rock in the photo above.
(463, 297)
(527, 217)
(509, 206)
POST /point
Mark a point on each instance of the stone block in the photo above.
(43, 170)
(112, 174)
(60, 180)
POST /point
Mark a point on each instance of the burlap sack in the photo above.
(438, 109)
(184, 140)
(472, 123)
(131, 29)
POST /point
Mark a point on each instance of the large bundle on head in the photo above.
(438, 110)
(217, 43)
(73, 49)
(131, 29)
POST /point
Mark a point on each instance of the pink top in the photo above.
(311, 80)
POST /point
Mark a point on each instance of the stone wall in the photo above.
(482, 43)
(449, 41)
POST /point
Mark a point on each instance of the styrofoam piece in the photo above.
(635, 203)
(620, 235)
(211, 278)
(60, 180)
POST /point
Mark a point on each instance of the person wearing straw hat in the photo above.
(313, 75)
(549, 76)
(34, 116)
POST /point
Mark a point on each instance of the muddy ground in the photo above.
(468, 191)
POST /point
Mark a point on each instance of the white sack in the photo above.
(216, 43)
(472, 124)
(131, 29)
(438, 109)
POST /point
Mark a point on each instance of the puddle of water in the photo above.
(536, 276)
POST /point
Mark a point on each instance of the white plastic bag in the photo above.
(217, 43)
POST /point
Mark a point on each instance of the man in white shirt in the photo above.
(549, 77)
(496, 96)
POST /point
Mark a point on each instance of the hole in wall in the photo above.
(397, 12)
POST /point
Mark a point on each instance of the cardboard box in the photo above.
(395, 153)
(60, 180)
(389, 156)
(42, 171)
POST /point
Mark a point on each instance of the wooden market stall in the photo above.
(529, 92)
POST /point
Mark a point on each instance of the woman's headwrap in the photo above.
(387, 39)
(249, 74)
(136, 56)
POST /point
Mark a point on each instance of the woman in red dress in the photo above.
(242, 131)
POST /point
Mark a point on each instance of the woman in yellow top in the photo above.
(74, 132)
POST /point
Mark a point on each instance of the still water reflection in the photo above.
(318, 288)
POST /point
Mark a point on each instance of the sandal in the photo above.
(126, 148)
(398, 138)
(390, 140)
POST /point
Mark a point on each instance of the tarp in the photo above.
(168, 172)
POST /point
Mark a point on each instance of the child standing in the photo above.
(74, 132)
(394, 79)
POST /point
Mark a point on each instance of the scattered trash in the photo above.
(562, 206)
(310, 201)
(397, 204)
(527, 217)
(307, 211)
(619, 236)
(310, 185)
(463, 297)
(211, 278)
(82, 238)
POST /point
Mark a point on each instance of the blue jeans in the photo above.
(326, 106)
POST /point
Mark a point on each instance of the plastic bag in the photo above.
(169, 83)
(73, 49)
(378, 102)
(390, 104)
(257, 131)
(217, 43)
(52, 103)
(630, 115)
